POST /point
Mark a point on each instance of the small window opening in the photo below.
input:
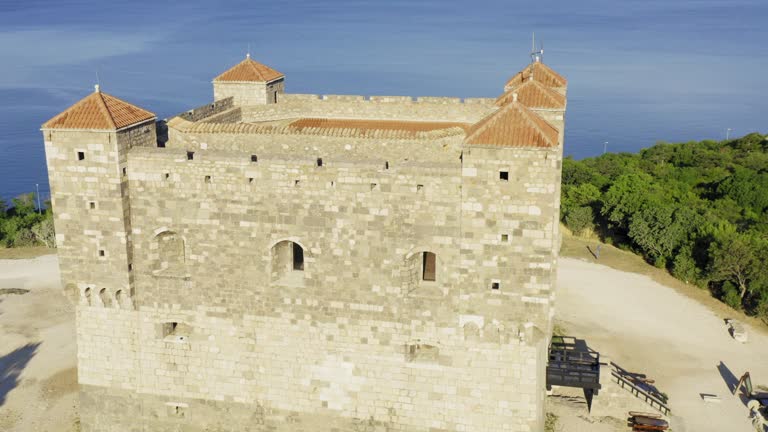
(386, 165)
(92, 205)
(254, 158)
(80, 155)
(504, 175)
(505, 238)
(167, 176)
(296, 183)
(298, 257)
(169, 328)
(428, 266)
(119, 298)
(101, 252)
(319, 162)
(333, 184)
(419, 188)
(250, 179)
(207, 179)
(130, 267)
(190, 155)
(495, 286)
(374, 186)
(125, 172)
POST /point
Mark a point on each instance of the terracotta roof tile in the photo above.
(541, 72)
(249, 70)
(386, 125)
(99, 111)
(533, 94)
(513, 125)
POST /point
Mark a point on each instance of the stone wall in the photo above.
(208, 110)
(249, 93)
(372, 107)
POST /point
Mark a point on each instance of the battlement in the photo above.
(208, 110)
(299, 97)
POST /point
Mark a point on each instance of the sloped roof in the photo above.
(541, 73)
(99, 110)
(409, 127)
(533, 94)
(513, 125)
(249, 70)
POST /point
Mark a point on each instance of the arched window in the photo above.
(170, 252)
(119, 299)
(87, 294)
(106, 301)
(287, 263)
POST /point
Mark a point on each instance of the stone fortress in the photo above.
(293, 262)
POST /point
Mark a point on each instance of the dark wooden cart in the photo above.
(641, 422)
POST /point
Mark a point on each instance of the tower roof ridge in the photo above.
(99, 111)
(513, 125)
(539, 72)
(249, 70)
(533, 94)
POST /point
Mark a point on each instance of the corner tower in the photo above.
(86, 151)
(249, 83)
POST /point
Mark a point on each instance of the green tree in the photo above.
(734, 259)
(625, 197)
(580, 219)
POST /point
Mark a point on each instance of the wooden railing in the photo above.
(631, 383)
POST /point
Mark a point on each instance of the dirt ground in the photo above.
(653, 329)
(640, 324)
(38, 375)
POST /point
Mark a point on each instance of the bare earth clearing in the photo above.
(640, 324)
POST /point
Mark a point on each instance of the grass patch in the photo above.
(610, 256)
(25, 252)
(550, 422)
(17, 291)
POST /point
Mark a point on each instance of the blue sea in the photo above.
(639, 71)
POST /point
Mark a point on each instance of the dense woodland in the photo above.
(22, 224)
(697, 209)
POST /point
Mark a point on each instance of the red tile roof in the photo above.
(533, 94)
(541, 73)
(99, 111)
(249, 70)
(384, 125)
(513, 125)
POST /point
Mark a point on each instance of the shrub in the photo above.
(580, 219)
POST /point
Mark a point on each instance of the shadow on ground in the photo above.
(11, 366)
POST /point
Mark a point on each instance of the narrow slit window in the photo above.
(80, 155)
(190, 155)
(101, 252)
(296, 183)
(428, 266)
(254, 158)
(125, 172)
(207, 179)
(92, 205)
(167, 176)
(386, 165)
(319, 162)
(504, 175)
(298, 257)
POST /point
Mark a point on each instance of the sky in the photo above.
(638, 71)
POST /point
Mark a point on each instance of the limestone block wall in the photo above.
(89, 181)
(372, 107)
(247, 93)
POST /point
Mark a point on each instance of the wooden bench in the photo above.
(642, 421)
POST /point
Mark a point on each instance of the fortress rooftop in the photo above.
(99, 111)
(249, 70)
(539, 72)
